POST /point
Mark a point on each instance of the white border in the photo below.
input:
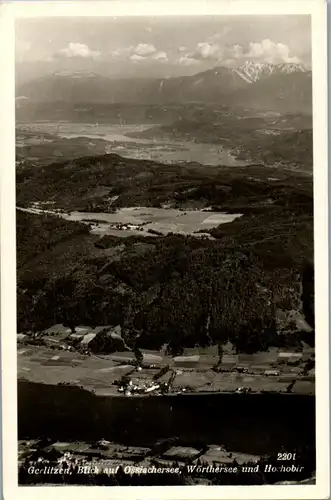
(8, 12)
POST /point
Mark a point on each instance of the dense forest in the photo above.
(174, 290)
(251, 283)
(89, 183)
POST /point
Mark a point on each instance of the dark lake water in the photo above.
(258, 423)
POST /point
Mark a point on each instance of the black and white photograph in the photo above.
(165, 277)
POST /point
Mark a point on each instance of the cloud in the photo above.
(266, 51)
(271, 52)
(160, 56)
(211, 51)
(139, 53)
(120, 53)
(187, 61)
(144, 49)
(136, 58)
(237, 51)
(204, 51)
(78, 50)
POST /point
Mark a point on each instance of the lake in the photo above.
(118, 140)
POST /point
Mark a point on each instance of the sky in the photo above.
(125, 47)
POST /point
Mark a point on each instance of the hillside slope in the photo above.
(277, 88)
(168, 289)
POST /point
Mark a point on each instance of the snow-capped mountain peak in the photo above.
(251, 71)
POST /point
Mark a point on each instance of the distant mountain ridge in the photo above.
(76, 74)
(253, 85)
(252, 71)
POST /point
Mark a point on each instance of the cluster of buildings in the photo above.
(158, 386)
(146, 388)
(126, 227)
(105, 457)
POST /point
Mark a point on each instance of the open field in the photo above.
(143, 220)
(49, 363)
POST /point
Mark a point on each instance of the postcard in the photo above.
(164, 250)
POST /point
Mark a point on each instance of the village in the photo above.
(99, 358)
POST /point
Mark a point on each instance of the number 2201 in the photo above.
(286, 456)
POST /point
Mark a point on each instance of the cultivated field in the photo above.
(141, 220)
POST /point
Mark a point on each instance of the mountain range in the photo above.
(252, 71)
(281, 87)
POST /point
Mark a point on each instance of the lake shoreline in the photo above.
(118, 140)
